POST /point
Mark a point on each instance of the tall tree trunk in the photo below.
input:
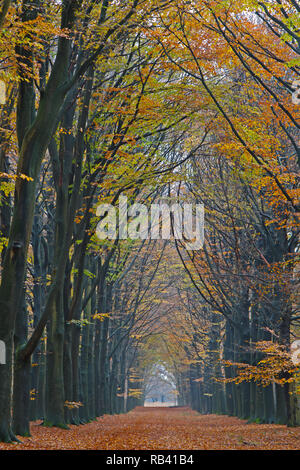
(34, 145)
(21, 385)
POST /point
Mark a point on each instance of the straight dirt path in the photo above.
(162, 429)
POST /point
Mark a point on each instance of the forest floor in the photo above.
(162, 429)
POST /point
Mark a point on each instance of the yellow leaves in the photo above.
(63, 131)
(3, 243)
(7, 187)
(33, 394)
(25, 177)
(135, 392)
(72, 404)
(15, 177)
(30, 35)
(275, 367)
(101, 316)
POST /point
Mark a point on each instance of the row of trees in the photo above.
(78, 116)
(246, 173)
(150, 99)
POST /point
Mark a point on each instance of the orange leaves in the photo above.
(161, 429)
(15, 177)
(275, 367)
(240, 66)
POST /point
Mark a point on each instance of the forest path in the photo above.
(162, 429)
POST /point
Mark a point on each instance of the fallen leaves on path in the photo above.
(162, 429)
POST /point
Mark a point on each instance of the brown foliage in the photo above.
(162, 429)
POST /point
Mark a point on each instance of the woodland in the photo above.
(182, 100)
